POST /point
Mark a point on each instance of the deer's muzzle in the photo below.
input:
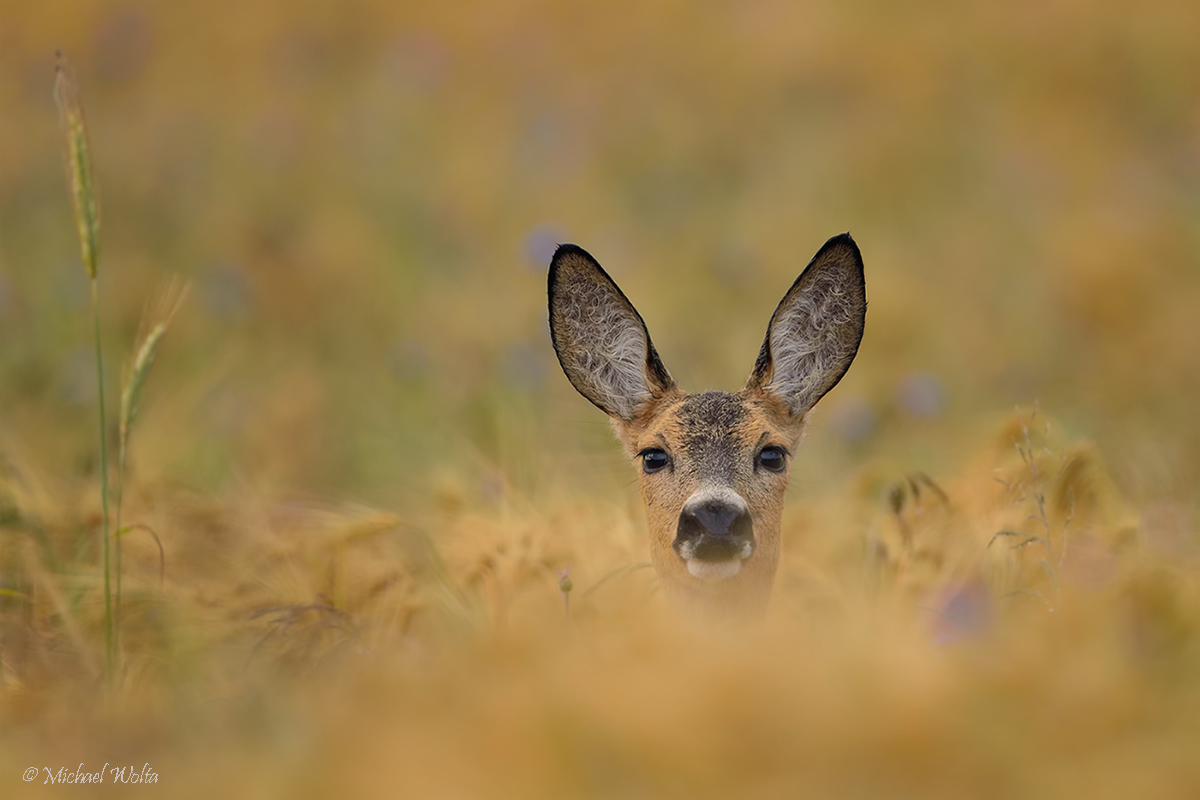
(715, 533)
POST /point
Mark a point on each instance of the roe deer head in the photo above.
(713, 466)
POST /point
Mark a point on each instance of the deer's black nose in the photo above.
(714, 529)
(715, 517)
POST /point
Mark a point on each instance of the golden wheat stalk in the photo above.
(154, 326)
(78, 161)
(77, 157)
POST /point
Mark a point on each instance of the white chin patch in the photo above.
(714, 570)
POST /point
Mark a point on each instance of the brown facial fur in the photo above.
(714, 438)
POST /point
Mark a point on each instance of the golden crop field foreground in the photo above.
(350, 485)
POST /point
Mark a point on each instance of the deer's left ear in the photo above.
(601, 341)
(814, 333)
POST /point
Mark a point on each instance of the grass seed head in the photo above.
(78, 161)
(155, 325)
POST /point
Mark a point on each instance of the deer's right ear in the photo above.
(601, 341)
(814, 333)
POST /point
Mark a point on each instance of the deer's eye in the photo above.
(773, 459)
(654, 460)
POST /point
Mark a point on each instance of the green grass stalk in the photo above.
(77, 157)
(110, 628)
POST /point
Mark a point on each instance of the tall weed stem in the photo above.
(77, 158)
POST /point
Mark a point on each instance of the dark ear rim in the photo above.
(760, 376)
(656, 373)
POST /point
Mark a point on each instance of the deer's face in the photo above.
(713, 470)
(713, 466)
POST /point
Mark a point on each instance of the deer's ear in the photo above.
(814, 333)
(601, 341)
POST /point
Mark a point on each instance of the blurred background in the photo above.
(365, 196)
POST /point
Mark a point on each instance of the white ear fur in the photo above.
(601, 341)
(815, 332)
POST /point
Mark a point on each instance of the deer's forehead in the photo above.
(712, 429)
(705, 419)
